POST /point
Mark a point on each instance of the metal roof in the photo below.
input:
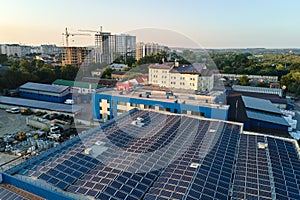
(258, 89)
(79, 84)
(43, 87)
(260, 104)
(39, 104)
(266, 117)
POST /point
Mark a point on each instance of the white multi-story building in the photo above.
(190, 77)
(15, 50)
(144, 49)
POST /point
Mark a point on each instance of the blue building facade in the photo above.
(44, 92)
(113, 103)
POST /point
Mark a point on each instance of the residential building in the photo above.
(108, 104)
(108, 46)
(189, 77)
(50, 49)
(15, 50)
(76, 56)
(125, 45)
(144, 49)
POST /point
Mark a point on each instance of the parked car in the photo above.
(26, 111)
(13, 110)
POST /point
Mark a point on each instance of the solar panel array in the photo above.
(252, 176)
(172, 157)
(9, 195)
(286, 169)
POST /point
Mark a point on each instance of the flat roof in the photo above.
(266, 117)
(260, 104)
(59, 107)
(44, 87)
(156, 95)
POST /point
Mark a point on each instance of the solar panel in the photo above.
(178, 157)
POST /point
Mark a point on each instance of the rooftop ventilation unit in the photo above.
(194, 165)
(138, 122)
(262, 145)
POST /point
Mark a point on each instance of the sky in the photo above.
(185, 23)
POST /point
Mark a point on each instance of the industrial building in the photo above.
(108, 104)
(149, 155)
(258, 115)
(79, 87)
(261, 90)
(6, 102)
(279, 102)
(173, 75)
(44, 92)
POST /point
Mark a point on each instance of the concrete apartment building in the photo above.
(15, 50)
(109, 46)
(190, 77)
(144, 49)
(76, 56)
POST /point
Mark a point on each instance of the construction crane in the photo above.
(68, 34)
(92, 31)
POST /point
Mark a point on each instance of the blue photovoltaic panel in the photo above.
(252, 178)
(9, 195)
(286, 169)
(172, 157)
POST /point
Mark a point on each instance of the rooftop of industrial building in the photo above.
(160, 94)
(150, 155)
(80, 84)
(44, 105)
(260, 104)
(43, 87)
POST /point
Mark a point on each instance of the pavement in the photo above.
(11, 123)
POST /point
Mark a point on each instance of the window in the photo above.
(122, 103)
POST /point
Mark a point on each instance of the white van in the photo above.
(69, 101)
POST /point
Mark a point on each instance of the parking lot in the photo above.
(11, 123)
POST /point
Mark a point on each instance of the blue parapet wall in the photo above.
(34, 189)
(174, 107)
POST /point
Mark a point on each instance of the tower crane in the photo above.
(92, 31)
(68, 34)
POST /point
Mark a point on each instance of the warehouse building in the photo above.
(150, 155)
(44, 92)
(258, 115)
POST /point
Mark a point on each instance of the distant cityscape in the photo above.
(140, 120)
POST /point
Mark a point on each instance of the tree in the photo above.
(107, 72)
(3, 58)
(244, 80)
